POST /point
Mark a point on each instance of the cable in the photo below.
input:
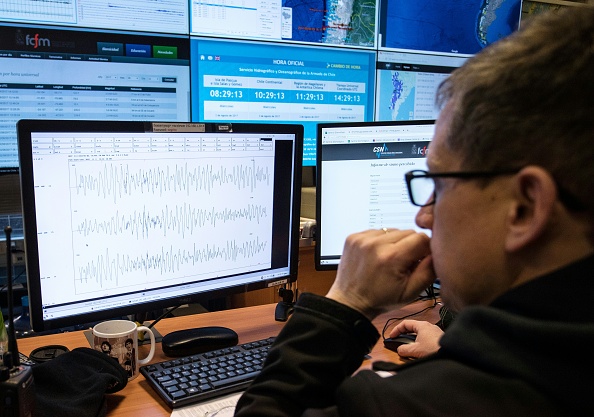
(162, 316)
(13, 280)
(430, 295)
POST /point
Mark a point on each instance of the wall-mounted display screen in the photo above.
(168, 16)
(406, 84)
(322, 22)
(75, 74)
(267, 82)
(448, 26)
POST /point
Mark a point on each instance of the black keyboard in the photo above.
(192, 379)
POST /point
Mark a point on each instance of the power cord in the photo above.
(162, 316)
(431, 295)
(13, 280)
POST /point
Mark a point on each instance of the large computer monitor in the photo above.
(162, 16)
(125, 217)
(276, 83)
(50, 73)
(406, 84)
(360, 180)
(317, 22)
(446, 26)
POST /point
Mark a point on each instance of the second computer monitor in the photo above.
(360, 180)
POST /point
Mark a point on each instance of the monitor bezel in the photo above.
(319, 266)
(24, 130)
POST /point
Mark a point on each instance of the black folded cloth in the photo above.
(74, 384)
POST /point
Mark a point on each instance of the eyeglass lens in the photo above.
(422, 189)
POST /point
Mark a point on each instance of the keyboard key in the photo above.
(230, 381)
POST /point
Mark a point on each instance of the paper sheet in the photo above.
(219, 407)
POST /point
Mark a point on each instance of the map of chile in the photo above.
(453, 26)
(397, 92)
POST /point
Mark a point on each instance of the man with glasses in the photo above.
(508, 197)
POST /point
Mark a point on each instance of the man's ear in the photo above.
(534, 199)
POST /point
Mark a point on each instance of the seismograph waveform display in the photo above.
(183, 220)
(116, 181)
(110, 270)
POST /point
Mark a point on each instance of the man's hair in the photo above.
(529, 99)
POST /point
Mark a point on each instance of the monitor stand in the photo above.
(285, 307)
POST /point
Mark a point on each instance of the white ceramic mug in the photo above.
(119, 340)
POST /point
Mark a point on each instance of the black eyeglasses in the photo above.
(421, 184)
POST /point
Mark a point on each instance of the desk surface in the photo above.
(251, 323)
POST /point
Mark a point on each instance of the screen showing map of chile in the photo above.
(407, 83)
(276, 83)
(449, 26)
(337, 22)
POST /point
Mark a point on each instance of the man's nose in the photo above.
(424, 217)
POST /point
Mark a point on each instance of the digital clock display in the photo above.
(218, 93)
(269, 95)
(309, 96)
(253, 81)
(347, 98)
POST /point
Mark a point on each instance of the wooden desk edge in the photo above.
(250, 323)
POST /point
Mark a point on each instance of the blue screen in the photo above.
(450, 26)
(274, 83)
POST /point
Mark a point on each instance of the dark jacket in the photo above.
(529, 353)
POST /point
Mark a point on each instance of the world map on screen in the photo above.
(337, 22)
(452, 26)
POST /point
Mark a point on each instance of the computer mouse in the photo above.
(198, 340)
(392, 343)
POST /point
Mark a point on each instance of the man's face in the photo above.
(468, 225)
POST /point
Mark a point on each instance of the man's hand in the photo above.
(382, 269)
(427, 341)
